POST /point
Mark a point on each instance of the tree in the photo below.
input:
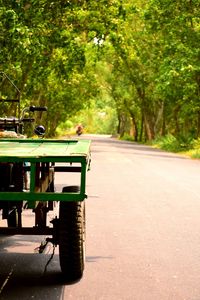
(178, 75)
(45, 41)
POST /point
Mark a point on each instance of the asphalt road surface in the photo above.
(143, 232)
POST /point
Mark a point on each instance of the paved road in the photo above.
(143, 232)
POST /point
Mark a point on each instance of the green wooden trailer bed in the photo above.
(27, 179)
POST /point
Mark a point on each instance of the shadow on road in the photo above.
(23, 275)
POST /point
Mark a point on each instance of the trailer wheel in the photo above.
(12, 219)
(72, 237)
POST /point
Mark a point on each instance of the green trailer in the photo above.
(28, 168)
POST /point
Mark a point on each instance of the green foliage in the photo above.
(174, 144)
(194, 152)
(131, 69)
(127, 137)
(96, 120)
(196, 143)
(186, 146)
(168, 142)
(43, 49)
(106, 121)
(65, 128)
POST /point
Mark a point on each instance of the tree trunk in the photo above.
(198, 124)
(149, 127)
(141, 128)
(122, 125)
(158, 126)
(176, 112)
(163, 128)
(134, 127)
(147, 114)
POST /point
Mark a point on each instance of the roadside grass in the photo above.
(187, 146)
(194, 153)
(182, 145)
(127, 137)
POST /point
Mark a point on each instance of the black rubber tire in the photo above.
(72, 237)
(12, 219)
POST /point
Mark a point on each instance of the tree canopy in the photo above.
(140, 59)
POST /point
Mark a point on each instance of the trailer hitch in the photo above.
(53, 240)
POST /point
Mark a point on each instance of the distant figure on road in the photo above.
(79, 129)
